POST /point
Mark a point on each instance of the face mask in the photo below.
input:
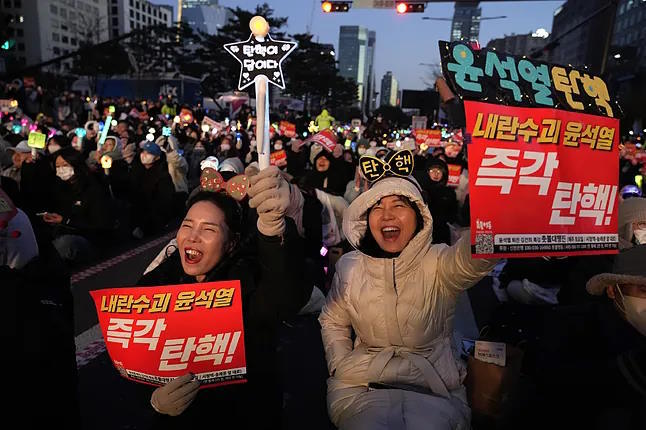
(147, 158)
(640, 237)
(278, 146)
(362, 151)
(225, 147)
(635, 310)
(53, 148)
(65, 172)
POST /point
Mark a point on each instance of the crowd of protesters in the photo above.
(115, 170)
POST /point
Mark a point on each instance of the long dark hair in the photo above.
(76, 160)
(368, 244)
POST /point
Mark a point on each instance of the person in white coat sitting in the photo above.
(397, 294)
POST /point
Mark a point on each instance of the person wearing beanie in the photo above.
(152, 191)
(397, 293)
(632, 222)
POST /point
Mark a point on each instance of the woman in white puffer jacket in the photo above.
(397, 292)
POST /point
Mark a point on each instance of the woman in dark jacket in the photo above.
(327, 174)
(442, 201)
(152, 192)
(80, 214)
(270, 270)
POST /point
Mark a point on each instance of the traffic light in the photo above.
(8, 44)
(410, 7)
(335, 6)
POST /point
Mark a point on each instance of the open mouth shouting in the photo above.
(390, 233)
(192, 256)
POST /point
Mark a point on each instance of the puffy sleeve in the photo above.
(336, 326)
(457, 270)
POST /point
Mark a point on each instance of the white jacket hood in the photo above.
(355, 219)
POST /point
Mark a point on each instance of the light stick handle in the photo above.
(262, 121)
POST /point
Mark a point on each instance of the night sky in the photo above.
(404, 41)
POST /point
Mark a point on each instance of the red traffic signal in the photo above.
(335, 6)
(410, 7)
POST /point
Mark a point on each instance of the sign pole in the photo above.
(262, 121)
(260, 29)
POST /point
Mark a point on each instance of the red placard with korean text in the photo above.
(287, 129)
(155, 334)
(278, 158)
(431, 138)
(455, 170)
(542, 181)
(326, 138)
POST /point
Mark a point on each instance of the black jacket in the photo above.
(85, 208)
(152, 192)
(273, 290)
(591, 371)
(38, 334)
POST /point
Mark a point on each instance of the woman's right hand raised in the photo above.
(173, 398)
(269, 195)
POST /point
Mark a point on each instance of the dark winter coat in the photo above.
(85, 208)
(592, 365)
(272, 290)
(152, 192)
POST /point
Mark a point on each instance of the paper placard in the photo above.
(491, 352)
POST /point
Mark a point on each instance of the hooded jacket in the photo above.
(401, 310)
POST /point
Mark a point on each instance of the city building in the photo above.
(128, 15)
(630, 32)
(582, 40)
(356, 61)
(206, 16)
(520, 44)
(466, 21)
(389, 90)
(48, 29)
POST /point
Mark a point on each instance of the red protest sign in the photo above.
(155, 334)
(287, 129)
(544, 181)
(325, 138)
(455, 170)
(278, 158)
(430, 138)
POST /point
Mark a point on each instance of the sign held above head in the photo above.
(261, 60)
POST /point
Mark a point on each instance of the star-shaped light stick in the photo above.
(261, 59)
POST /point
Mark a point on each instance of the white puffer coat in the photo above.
(401, 311)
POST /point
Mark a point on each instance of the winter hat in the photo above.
(232, 164)
(22, 147)
(630, 211)
(437, 162)
(153, 149)
(628, 268)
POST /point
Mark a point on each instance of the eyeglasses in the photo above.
(641, 225)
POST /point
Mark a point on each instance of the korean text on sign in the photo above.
(493, 76)
(154, 334)
(555, 171)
